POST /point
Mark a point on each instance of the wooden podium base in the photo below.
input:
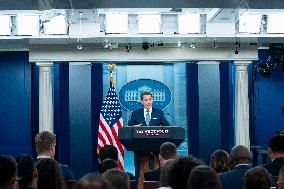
(144, 166)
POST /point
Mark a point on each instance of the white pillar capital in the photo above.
(242, 62)
(45, 96)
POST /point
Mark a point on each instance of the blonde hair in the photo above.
(43, 141)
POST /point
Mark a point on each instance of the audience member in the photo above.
(280, 182)
(45, 147)
(92, 181)
(8, 172)
(27, 172)
(110, 151)
(180, 171)
(49, 174)
(220, 161)
(117, 178)
(107, 164)
(203, 177)
(168, 151)
(239, 164)
(276, 154)
(165, 170)
(257, 177)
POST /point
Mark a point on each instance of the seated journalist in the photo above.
(147, 116)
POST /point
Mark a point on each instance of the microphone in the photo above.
(172, 117)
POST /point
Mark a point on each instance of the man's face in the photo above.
(147, 101)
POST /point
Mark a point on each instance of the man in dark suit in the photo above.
(276, 155)
(239, 163)
(45, 147)
(147, 116)
(168, 151)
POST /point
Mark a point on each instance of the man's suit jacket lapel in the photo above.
(141, 115)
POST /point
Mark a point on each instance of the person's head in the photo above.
(180, 171)
(49, 174)
(107, 164)
(257, 177)
(117, 178)
(8, 172)
(165, 169)
(220, 161)
(26, 171)
(92, 181)
(168, 150)
(280, 182)
(108, 151)
(45, 143)
(203, 177)
(276, 147)
(146, 100)
(239, 155)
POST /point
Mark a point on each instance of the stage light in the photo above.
(145, 45)
(193, 45)
(128, 47)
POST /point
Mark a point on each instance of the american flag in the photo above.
(110, 122)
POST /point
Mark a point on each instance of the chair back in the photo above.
(151, 184)
(69, 184)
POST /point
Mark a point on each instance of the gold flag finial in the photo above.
(111, 68)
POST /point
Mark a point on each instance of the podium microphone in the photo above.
(172, 117)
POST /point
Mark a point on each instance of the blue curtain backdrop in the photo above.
(15, 103)
(226, 104)
(61, 111)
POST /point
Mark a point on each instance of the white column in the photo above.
(45, 97)
(241, 103)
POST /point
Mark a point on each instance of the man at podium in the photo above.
(147, 116)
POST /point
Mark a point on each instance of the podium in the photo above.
(145, 141)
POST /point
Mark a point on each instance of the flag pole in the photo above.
(111, 68)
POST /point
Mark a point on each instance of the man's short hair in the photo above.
(168, 150)
(118, 178)
(257, 177)
(43, 141)
(8, 170)
(25, 169)
(240, 154)
(107, 164)
(276, 143)
(108, 151)
(145, 93)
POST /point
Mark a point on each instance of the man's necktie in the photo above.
(147, 117)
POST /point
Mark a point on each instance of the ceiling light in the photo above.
(275, 23)
(149, 23)
(27, 24)
(117, 23)
(5, 22)
(56, 26)
(250, 23)
(189, 23)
